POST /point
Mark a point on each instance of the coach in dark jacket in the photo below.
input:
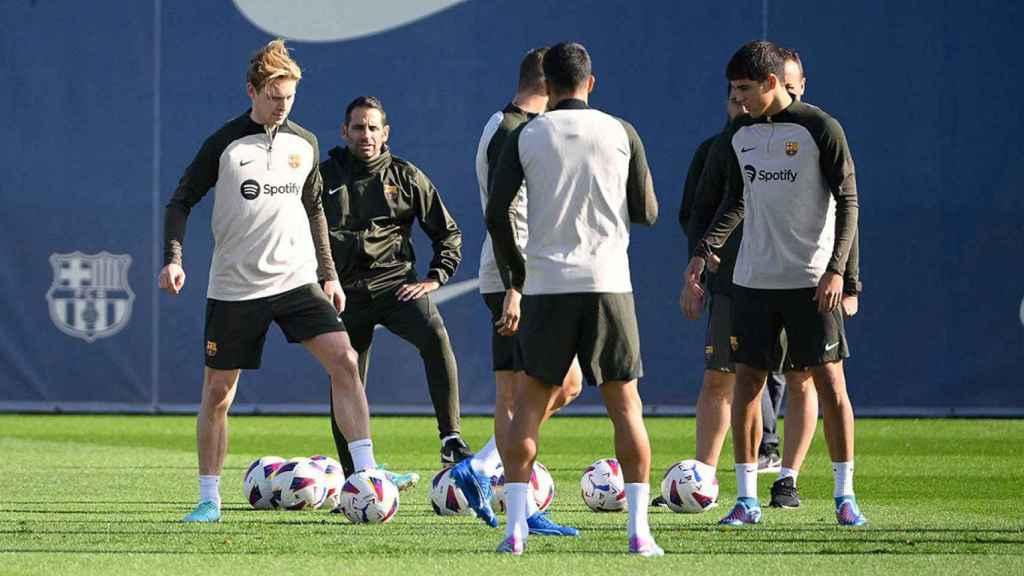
(371, 201)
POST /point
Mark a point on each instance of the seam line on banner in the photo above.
(154, 375)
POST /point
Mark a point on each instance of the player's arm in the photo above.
(729, 213)
(708, 193)
(494, 148)
(197, 180)
(838, 171)
(444, 234)
(640, 199)
(851, 280)
(693, 175)
(505, 181)
(312, 201)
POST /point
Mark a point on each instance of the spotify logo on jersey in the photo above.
(250, 189)
(750, 171)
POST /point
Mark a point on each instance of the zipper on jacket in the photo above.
(771, 135)
(270, 144)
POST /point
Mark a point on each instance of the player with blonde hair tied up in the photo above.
(271, 252)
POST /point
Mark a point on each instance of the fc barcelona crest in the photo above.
(734, 343)
(792, 148)
(391, 192)
(294, 160)
(90, 297)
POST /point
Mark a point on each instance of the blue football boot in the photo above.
(847, 512)
(746, 511)
(206, 511)
(541, 525)
(477, 490)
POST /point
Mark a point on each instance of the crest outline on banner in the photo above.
(90, 297)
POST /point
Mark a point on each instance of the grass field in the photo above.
(104, 494)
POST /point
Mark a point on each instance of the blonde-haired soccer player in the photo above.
(271, 253)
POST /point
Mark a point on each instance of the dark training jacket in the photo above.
(370, 209)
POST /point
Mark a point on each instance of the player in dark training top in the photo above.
(372, 200)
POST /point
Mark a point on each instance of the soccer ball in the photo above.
(256, 487)
(368, 497)
(445, 497)
(542, 488)
(602, 486)
(335, 477)
(685, 490)
(299, 484)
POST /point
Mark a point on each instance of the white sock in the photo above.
(746, 480)
(843, 474)
(209, 489)
(362, 454)
(788, 473)
(705, 470)
(637, 497)
(531, 504)
(516, 495)
(486, 461)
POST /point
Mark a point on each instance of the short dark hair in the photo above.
(531, 71)
(366, 102)
(790, 55)
(755, 61)
(566, 66)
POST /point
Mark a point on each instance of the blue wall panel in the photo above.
(109, 101)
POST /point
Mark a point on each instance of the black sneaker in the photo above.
(658, 502)
(785, 494)
(769, 460)
(454, 451)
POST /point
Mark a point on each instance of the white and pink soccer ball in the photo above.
(256, 488)
(299, 484)
(446, 498)
(368, 497)
(686, 490)
(542, 488)
(334, 476)
(602, 486)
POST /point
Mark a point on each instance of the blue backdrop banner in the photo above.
(107, 102)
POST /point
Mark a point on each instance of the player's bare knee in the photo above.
(344, 369)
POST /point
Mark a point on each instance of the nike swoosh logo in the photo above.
(245, 162)
(332, 192)
(832, 346)
(333, 21)
(745, 150)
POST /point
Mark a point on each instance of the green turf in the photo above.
(103, 495)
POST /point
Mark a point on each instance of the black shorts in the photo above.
(599, 328)
(502, 347)
(720, 340)
(717, 348)
(812, 338)
(236, 330)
